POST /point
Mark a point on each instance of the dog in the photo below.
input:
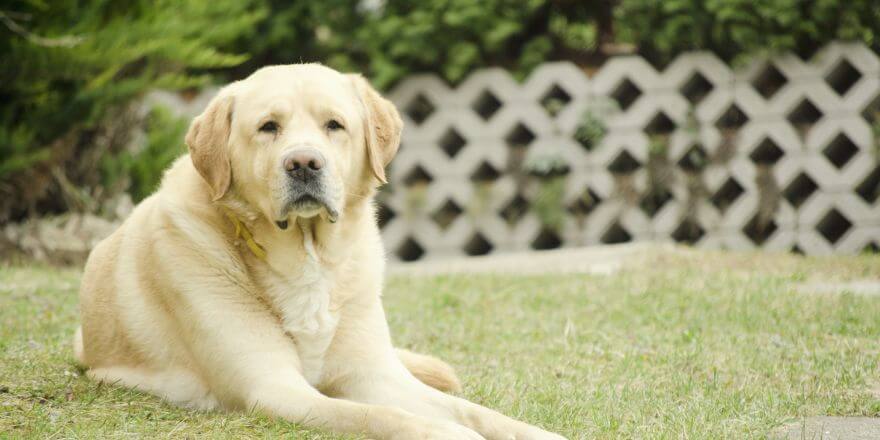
(252, 278)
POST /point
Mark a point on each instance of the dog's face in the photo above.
(295, 141)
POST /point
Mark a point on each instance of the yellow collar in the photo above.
(241, 231)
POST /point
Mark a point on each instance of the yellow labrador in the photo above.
(252, 278)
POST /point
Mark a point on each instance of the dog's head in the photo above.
(295, 141)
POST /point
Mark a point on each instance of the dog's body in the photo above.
(252, 278)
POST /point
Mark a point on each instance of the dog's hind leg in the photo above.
(176, 386)
(430, 371)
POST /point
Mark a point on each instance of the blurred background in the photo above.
(533, 124)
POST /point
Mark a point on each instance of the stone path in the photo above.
(858, 287)
(599, 260)
(833, 428)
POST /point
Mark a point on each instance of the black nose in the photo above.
(303, 163)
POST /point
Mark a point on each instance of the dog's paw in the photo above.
(429, 429)
(536, 433)
(522, 431)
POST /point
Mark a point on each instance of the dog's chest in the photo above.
(303, 301)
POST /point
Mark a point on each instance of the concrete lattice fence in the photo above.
(780, 154)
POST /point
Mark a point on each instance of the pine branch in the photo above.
(65, 41)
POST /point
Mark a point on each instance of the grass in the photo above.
(694, 345)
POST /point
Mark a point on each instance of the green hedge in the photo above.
(72, 68)
(737, 28)
(454, 37)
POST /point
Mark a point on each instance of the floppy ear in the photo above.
(382, 126)
(208, 140)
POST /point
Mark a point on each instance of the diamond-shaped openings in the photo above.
(626, 93)
(799, 190)
(871, 248)
(485, 173)
(833, 226)
(486, 105)
(585, 204)
(477, 245)
(695, 159)
(768, 81)
(419, 109)
(446, 214)
(654, 201)
(452, 142)
(806, 50)
(869, 189)
(696, 88)
(840, 150)
(804, 114)
(615, 234)
(759, 230)
(546, 239)
(732, 119)
(417, 177)
(660, 124)
(688, 231)
(555, 100)
(766, 153)
(872, 111)
(590, 131)
(514, 210)
(624, 163)
(519, 137)
(410, 250)
(384, 215)
(727, 195)
(843, 77)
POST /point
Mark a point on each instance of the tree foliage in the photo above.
(389, 39)
(70, 70)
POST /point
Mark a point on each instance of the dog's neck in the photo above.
(314, 238)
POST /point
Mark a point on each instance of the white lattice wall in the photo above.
(802, 132)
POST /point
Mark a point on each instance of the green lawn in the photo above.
(693, 345)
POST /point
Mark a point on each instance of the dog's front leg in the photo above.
(249, 362)
(298, 404)
(413, 396)
(364, 368)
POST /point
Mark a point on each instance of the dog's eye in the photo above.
(334, 125)
(269, 127)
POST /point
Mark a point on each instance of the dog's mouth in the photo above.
(308, 205)
(307, 202)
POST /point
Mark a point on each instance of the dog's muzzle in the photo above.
(305, 168)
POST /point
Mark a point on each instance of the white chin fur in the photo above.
(307, 213)
(324, 212)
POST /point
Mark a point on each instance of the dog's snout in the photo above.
(303, 163)
(305, 158)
